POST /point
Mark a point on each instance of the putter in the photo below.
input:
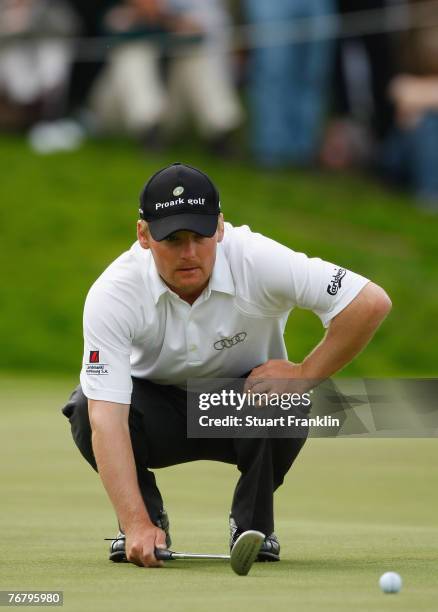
(244, 552)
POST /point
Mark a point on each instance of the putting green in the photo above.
(349, 511)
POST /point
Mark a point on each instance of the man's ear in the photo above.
(220, 228)
(143, 234)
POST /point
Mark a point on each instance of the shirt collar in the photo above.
(156, 283)
(148, 271)
(221, 278)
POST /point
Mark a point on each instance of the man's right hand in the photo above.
(141, 543)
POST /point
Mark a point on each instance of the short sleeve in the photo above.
(106, 369)
(278, 279)
(323, 287)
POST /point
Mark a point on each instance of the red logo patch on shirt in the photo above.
(94, 356)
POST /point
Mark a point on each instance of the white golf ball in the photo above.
(390, 582)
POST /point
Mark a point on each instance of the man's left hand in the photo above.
(277, 376)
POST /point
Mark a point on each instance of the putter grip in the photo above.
(162, 554)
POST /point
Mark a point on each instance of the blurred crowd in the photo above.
(338, 84)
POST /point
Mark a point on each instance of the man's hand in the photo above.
(277, 376)
(141, 542)
(413, 97)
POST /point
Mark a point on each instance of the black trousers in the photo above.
(157, 423)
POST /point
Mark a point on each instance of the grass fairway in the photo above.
(349, 511)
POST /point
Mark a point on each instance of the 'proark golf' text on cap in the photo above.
(180, 197)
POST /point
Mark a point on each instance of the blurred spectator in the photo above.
(202, 82)
(129, 95)
(288, 81)
(33, 69)
(85, 69)
(363, 69)
(135, 94)
(410, 155)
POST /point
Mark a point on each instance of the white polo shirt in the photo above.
(134, 325)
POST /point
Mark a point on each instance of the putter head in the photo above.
(245, 551)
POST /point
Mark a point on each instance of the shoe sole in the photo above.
(118, 557)
(267, 557)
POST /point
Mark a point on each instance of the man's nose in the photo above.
(188, 248)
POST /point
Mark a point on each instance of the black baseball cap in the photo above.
(180, 197)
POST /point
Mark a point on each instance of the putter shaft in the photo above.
(169, 555)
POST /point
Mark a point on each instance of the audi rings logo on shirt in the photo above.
(230, 342)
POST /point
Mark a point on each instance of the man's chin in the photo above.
(190, 282)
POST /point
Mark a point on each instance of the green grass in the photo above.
(349, 510)
(64, 218)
